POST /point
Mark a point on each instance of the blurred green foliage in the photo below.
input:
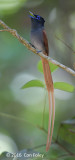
(10, 6)
(57, 85)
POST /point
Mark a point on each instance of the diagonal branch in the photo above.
(29, 46)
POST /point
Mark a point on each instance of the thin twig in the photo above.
(69, 153)
(63, 147)
(42, 128)
(21, 120)
(66, 44)
(63, 156)
(29, 46)
(39, 146)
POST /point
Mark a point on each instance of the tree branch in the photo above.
(29, 46)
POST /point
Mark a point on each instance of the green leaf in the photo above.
(33, 83)
(64, 86)
(53, 67)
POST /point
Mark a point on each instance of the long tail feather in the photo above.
(49, 123)
(53, 117)
(50, 89)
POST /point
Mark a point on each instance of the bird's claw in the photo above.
(32, 45)
(39, 51)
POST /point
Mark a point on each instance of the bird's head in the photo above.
(36, 19)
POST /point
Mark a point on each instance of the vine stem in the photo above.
(31, 48)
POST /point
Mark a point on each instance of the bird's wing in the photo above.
(45, 43)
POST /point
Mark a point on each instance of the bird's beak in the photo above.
(31, 14)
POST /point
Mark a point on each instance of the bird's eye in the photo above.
(38, 17)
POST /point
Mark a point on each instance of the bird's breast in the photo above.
(37, 39)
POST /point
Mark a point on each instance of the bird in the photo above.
(40, 42)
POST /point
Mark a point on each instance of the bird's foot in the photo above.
(39, 51)
(32, 45)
